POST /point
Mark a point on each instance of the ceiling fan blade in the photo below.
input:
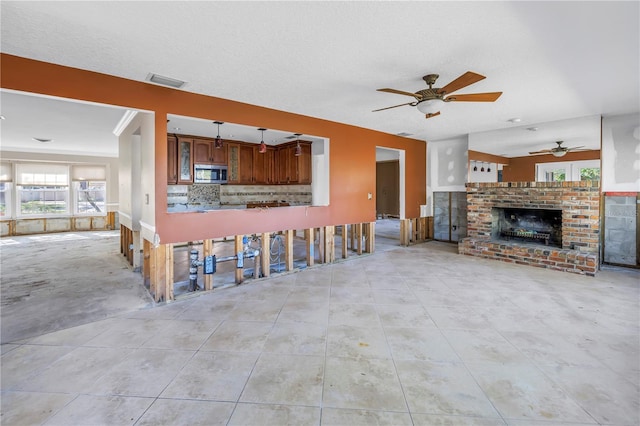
(395, 106)
(464, 80)
(431, 114)
(400, 92)
(474, 97)
(577, 148)
(544, 151)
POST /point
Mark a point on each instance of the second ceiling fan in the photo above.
(428, 101)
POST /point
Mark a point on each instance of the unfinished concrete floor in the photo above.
(409, 335)
(55, 281)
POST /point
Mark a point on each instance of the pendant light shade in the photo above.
(475, 167)
(218, 141)
(489, 168)
(482, 168)
(263, 146)
(298, 151)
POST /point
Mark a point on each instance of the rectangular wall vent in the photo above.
(165, 81)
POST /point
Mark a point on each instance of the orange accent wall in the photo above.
(523, 169)
(352, 156)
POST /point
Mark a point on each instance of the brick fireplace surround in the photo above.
(580, 205)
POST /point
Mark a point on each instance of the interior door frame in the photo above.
(384, 153)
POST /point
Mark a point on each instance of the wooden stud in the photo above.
(288, 249)
(329, 244)
(146, 264)
(266, 254)
(168, 276)
(321, 246)
(207, 250)
(359, 237)
(344, 241)
(161, 272)
(353, 236)
(309, 238)
(404, 232)
(238, 248)
(370, 237)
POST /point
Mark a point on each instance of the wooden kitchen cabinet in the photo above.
(205, 152)
(185, 161)
(264, 166)
(246, 164)
(240, 164)
(294, 169)
(304, 164)
(172, 160)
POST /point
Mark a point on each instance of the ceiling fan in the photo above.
(428, 101)
(558, 151)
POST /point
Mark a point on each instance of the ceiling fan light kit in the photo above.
(558, 151)
(428, 101)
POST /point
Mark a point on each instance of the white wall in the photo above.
(446, 167)
(137, 175)
(621, 153)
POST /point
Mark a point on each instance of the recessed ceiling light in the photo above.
(2, 117)
(515, 120)
(42, 140)
(176, 128)
(165, 81)
(532, 129)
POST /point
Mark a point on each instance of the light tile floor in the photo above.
(416, 335)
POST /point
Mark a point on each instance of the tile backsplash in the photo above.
(212, 196)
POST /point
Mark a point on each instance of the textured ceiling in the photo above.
(553, 60)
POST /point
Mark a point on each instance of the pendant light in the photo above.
(298, 152)
(218, 142)
(482, 168)
(489, 168)
(475, 167)
(263, 146)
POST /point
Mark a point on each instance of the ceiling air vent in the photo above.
(165, 81)
(404, 134)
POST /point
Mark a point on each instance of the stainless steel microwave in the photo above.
(209, 173)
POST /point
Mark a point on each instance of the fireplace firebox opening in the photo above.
(527, 225)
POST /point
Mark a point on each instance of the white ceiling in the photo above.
(553, 61)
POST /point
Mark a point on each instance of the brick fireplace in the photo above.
(553, 225)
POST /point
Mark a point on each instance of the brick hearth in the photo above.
(580, 205)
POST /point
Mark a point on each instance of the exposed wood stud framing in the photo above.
(329, 244)
(288, 249)
(207, 250)
(238, 247)
(359, 237)
(309, 239)
(344, 242)
(266, 254)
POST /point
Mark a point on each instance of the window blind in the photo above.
(88, 172)
(42, 174)
(5, 172)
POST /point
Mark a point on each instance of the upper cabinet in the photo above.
(292, 168)
(185, 161)
(246, 164)
(205, 152)
(172, 160)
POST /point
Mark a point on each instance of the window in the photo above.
(6, 177)
(42, 189)
(5, 199)
(42, 200)
(90, 197)
(589, 173)
(568, 171)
